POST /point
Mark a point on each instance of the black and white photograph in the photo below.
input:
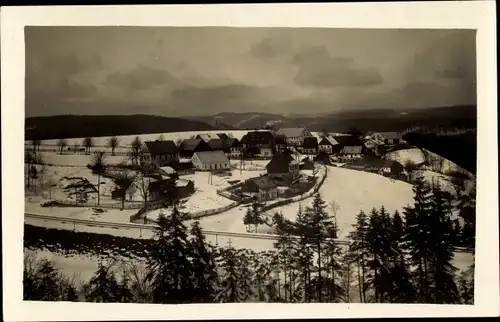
(219, 164)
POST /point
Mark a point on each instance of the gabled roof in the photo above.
(291, 131)
(263, 182)
(207, 136)
(189, 144)
(280, 161)
(166, 170)
(310, 143)
(233, 143)
(216, 144)
(208, 157)
(348, 140)
(325, 141)
(161, 147)
(223, 136)
(390, 135)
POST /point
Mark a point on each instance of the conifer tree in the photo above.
(285, 245)
(417, 243)
(319, 226)
(124, 294)
(230, 291)
(169, 267)
(441, 240)
(204, 268)
(303, 254)
(359, 249)
(103, 286)
(334, 256)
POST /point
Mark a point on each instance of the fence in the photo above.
(116, 205)
(298, 198)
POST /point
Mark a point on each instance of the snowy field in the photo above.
(351, 190)
(78, 160)
(126, 140)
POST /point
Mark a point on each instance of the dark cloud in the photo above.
(140, 78)
(270, 48)
(316, 68)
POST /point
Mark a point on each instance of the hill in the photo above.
(78, 126)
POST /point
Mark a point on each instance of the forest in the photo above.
(392, 258)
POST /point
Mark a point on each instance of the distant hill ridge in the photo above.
(77, 126)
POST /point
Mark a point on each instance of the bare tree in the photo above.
(123, 180)
(410, 167)
(113, 143)
(140, 159)
(88, 143)
(36, 145)
(98, 167)
(76, 146)
(161, 137)
(61, 144)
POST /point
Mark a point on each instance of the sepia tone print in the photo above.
(218, 165)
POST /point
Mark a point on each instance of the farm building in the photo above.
(264, 188)
(162, 153)
(310, 145)
(235, 148)
(159, 190)
(349, 147)
(294, 136)
(327, 144)
(190, 146)
(388, 138)
(210, 160)
(283, 166)
(207, 137)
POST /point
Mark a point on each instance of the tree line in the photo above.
(392, 258)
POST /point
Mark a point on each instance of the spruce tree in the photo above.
(204, 268)
(334, 266)
(230, 291)
(441, 247)
(303, 254)
(359, 250)
(319, 226)
(418, 229)
(103, 286)
(170, 269)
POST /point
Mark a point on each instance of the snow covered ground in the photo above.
(351, 190)
(402, 156)
(81, 159)
(125, 140)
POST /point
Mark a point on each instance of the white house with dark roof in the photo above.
(388, 138)
(294, 136)
(210, 161)
(162, 153)
(263, 188)
(326, 145)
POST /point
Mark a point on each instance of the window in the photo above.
(215, 165)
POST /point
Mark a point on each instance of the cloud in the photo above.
(316, 68)
(139, 78)
(270, 48)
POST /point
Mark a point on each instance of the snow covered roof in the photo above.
(291, 131)
(182, 183)
(263, 183)
(208, 157)
(207, 136)
(167, 170)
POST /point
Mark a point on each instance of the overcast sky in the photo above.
(198, 71)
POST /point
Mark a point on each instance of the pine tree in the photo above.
(246, 275)
(359, 250)
(170, 270)
(334, 255)
(418, 230)
(303, 254)
(285, 245)
(204, 268)
(230, 291)
(124, 294)
(103, 286)
(319, 227)
(442, 251)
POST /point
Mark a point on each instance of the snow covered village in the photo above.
(176, 179)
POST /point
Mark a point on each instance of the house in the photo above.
(283, 166)
(211, 161)
(217, 144)
(310, 145)
(162, 153)
(258, 143)
(349, 147)
(235, 149)
(388, 138)
(382, 166)
(294, 136)
(280, 145)
(327, 145)
(263, 187)
(188, 147)
(168, 172)
(207, 136)
(159, 190)
(223, 136)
